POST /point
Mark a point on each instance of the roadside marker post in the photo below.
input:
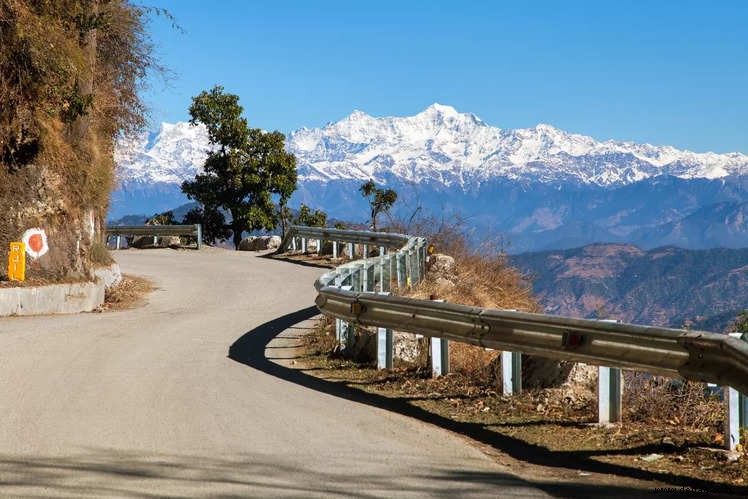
(511, 373)
(609, 395)
(737, 410)
(17, 261)
(384, 346)
(439, 355)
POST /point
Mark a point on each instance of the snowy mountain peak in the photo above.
(439, 146)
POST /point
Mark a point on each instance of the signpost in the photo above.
(17, 261)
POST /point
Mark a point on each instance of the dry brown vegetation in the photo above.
(130, 292)
(70, 72)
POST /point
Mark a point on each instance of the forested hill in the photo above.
(666, 286)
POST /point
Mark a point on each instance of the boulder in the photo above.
(258, 243)
(247, 244)
(274, 242)
(141, 242)
(170, 242)
(161, 242)
(441, 265)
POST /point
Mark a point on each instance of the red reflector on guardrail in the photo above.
(572, 340)
(357, 307)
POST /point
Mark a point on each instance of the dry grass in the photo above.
(657, 399)
(129, 293)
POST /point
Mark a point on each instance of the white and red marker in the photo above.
(36, 242)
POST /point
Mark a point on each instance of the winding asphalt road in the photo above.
(191, 395)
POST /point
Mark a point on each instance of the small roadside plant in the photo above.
(306, 216)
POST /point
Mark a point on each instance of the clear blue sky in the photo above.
(664, 72)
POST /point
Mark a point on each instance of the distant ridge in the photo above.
(542, 187)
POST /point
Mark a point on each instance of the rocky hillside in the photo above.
(666, 286)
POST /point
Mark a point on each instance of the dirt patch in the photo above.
(130, 292)
(545, 434)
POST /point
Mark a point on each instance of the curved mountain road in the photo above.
(180, 398)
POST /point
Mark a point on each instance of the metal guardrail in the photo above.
(692, 355)
(156, 231)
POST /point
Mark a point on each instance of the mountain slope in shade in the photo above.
(665, 286)
(721, 224)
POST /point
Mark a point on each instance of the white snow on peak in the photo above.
(437, 145)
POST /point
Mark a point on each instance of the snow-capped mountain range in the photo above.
(558, 182)
(438, 145)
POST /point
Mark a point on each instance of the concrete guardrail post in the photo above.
(384, 346)
(439, 356)
(400, 271)
(609, 391)
(511, 373)
(382, 279)
(609, 394)
(737, 411)
(365, 278)
(199, 229)
(343, 329)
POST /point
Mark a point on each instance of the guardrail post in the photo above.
(366, 251)
(381, 276)
(511, 373)
(400, 270)
(119, 240)
(293, 243)
(417, 261)
(303, 244)
(350, 251)
(384, 347)
(609, 395)
(381, 251)
(155, 240)
(732, 425)
(409, 268)
(199, 229)
(439, 357)
(737, 412)
(365, 278)
(319, 246)
(335, 249)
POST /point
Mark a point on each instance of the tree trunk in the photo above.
(236, 229)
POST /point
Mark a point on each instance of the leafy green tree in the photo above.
(165, 218)
(380, 200)
(213, 223)
(318, 218)
(246, 169)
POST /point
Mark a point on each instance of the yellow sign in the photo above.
(17, 262)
